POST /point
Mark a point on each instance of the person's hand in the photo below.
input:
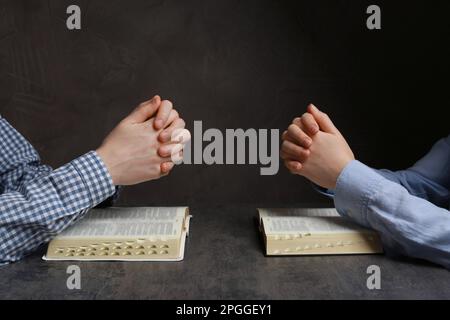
(139, 149)
(318, 155)
(298, 137)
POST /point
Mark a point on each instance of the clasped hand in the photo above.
(314, 148)
(141, 147)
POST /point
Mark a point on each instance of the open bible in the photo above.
(124, 234)
(314, 232)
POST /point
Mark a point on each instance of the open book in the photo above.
(314, 232)
(124, 234)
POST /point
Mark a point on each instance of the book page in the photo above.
(298, 212)
(300, 231)
(304, 225)
(124, 234)
(283, 221)
(128, 222)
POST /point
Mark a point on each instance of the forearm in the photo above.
(429, 178)
(47, 205)
(418, 185)
(406, 223)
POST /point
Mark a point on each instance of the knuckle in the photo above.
(305, 140)
(165, 152)
(167, 168)
(168, 103)
(302, 136)
(300, 154)
(182, 123)
(291, 168)
(307, 117)
(186, 135)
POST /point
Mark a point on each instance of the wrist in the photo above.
(342, 169)
(339, 169)
(107, 159)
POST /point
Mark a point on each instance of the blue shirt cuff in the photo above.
(355, 186)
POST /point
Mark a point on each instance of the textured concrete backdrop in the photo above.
(232, 64)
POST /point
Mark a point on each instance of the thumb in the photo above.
(324, 122)
(145, 110)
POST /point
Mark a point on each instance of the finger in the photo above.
(173, 116)
(177, 157)
(163, 114)
(310, 129)
(310, 125)
(298, 136)
(166, 167)
(165, 159)
(298, 121)
(145, 110)
(293, 166)
(167, 150)
(287, 156)
(322, 119)
(286, 136)
(167, 134)
(296, 152)
(180, 135)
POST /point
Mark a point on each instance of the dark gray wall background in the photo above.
(247, 64)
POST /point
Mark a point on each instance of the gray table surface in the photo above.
(224, 260)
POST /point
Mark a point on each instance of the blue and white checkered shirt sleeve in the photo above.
(37, 203)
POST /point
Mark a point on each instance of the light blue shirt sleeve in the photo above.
(408, 208)
(429, 178)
